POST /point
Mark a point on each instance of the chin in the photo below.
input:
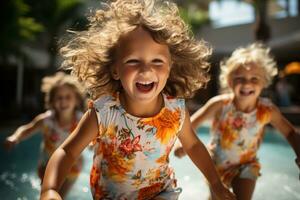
(144, 98)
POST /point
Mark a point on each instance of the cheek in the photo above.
(74, 101)
(230, 83)
(126, 72)
(260, 87)
(164, 73)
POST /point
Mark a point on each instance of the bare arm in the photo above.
(206, 112)
(24, 131)
(63, 158)
(201, 158)
(287, 129)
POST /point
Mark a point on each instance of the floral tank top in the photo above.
(131, 159)
(54, 136)
(236, 135)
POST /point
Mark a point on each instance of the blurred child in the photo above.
(239, 116)
(64, 100)
(137, 66)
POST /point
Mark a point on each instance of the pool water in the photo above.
(279, 180)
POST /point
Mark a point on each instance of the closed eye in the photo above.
(254, 79)
(132, 61)
(157, 61)
(239, 79)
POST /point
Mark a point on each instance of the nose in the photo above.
(145, 68)
(63, 99)
(248, 82)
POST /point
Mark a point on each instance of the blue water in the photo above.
(279, 180)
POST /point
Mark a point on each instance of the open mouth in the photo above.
(144, 87)
(246, 92)
(63, 108)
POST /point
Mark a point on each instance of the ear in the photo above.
(115, 72)
(230, 81)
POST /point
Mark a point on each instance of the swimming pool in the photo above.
(279, 180)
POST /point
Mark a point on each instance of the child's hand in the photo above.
(179, 152)
(222, 193)
(10, 142)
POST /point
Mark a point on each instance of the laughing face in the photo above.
(142, 65)
(64, 100)
(247, 82)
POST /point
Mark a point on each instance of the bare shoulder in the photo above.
(267, 103)
(89, 123)
(210, 109)
(223, 97)
(90, 116)
(219, 100)
(275, 111)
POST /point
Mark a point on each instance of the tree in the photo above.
(55, 15)
(17, 28)
(195, 13)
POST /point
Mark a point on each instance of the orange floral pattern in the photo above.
(132, 153)
(249, 170)
(236, 136)
(166, 124)
(263, 113)
(228, 135)
(147, 192)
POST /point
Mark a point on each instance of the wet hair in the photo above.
(50, 84)
(90, 53)
(254, 54)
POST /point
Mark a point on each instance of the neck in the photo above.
(142, 109)
(244, 106)
(64, 119)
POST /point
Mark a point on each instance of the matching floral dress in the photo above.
(131, 159)
(53, 136)
(236, 137)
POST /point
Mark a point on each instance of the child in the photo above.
(64, 101)
(135, 65)
(239, 118)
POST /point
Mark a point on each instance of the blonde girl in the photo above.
(64, 102)
(239, 117)
(138, 61)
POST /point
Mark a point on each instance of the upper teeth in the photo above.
(247, 92)
(145, 82)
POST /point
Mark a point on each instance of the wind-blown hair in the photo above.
(256, 54)
(90, 53)
(50, 84)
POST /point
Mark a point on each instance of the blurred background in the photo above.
(32, 30)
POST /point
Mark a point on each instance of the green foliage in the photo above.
(54, 14)
(17, 26)
(26, 21)
(195, 18)
(29, 27)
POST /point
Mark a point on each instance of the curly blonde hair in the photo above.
(90, 53)
(256, 54)
(50, 84)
